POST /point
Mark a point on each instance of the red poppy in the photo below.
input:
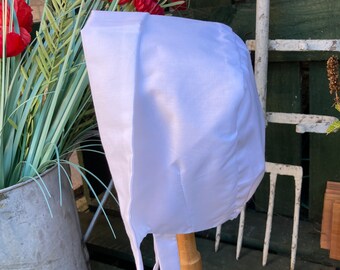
(24, 14)
(17, 42)
(150, 6)
(123, 2)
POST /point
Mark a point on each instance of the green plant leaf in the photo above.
(337, 107)
(334, 127)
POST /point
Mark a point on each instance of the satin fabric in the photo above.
(180, 122)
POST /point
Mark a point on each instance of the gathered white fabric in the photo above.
(180, 122)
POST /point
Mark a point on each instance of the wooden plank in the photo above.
(323, 163)
(335, 236)
(299, 45)
(327, 219)
(77, 181)
(95, 163)
(300, 50)
(280, 243)
(102, 244)
(103, 247)
(326, 226)
(299, 56)
(243, 20)
(283, 144)
(302, 122)
(303, 19)
(101, 266)
(333, 186)
(210, 3)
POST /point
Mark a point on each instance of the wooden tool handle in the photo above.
(190, 258)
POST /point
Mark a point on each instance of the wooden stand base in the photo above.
(330, 229)
(190, 258)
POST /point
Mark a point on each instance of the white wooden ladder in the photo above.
(303, 122)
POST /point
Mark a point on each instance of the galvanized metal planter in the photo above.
(30, 238)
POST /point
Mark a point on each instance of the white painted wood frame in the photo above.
(303, 122)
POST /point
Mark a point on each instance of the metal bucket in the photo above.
(30, 238)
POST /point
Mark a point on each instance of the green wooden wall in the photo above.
(297, 83)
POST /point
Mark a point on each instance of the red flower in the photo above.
(24, 14)
(17, 42)
(150, 6)
(123, 2)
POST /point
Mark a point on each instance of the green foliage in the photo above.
(334, 127)
(45, 101)
(337, 107)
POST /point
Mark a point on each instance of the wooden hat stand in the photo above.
(190, 258)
